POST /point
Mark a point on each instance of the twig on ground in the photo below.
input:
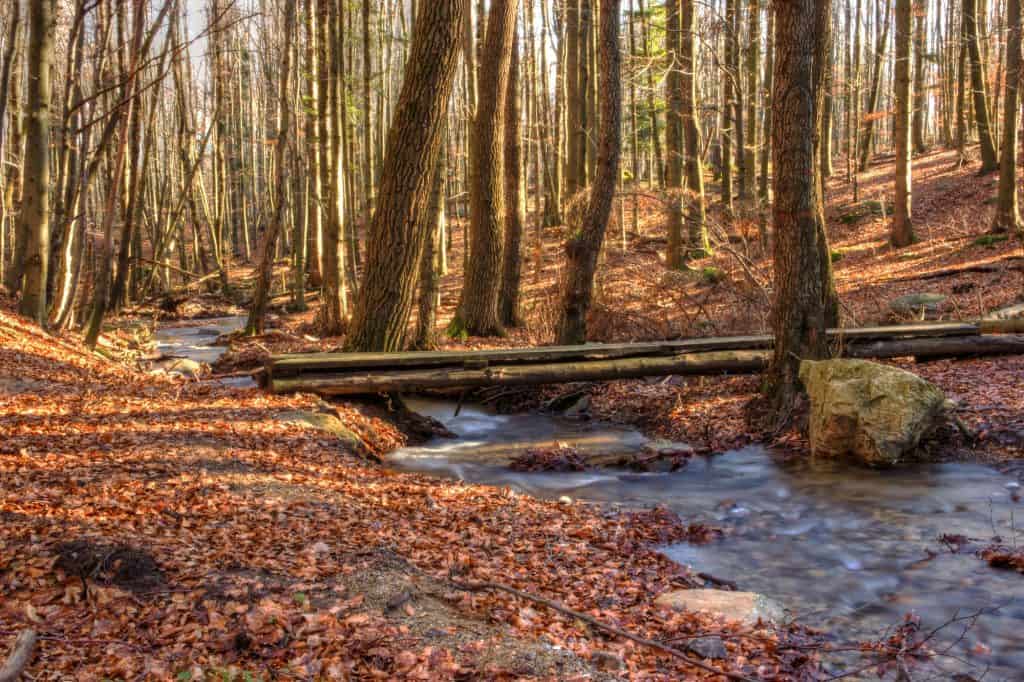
(590, 620)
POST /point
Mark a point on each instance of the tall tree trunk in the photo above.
(867, 138)
(902, 217)
(587, 236)
(478, 312)
(515, 208)
(989, 157)
(920, 11)
(573, 99)
(398, 231)
(35, 207)
(268, 243)
(799, 317)
(697, 229)
(1007, 217)
(728, 104)
(753, 59)
(675, 257)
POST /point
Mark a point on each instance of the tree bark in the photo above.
(902, 219)
(920, 11)
(514, 198)
(35, 207)
(989, 158)
(397, 232)
(799, 315)
(268, 243)
(585, 241)
(1007, 217)
(478, 313)
(697, 230)
(675, 258)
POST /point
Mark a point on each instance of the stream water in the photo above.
(843, 548)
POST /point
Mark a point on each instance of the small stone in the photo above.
(1013, 485)
(607, 661)
(565, 499)
(708, 647)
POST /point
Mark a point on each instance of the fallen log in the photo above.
(952, 347)
(400, 379)
(286, 365)
(383, 381)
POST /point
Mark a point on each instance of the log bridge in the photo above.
(332, 374)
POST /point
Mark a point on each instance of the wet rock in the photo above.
(873, 413)
(749, 608)
(916, 304)
(183, 367)
(708, 647)
(579, 409)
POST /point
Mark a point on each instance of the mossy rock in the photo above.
(915, 304)
(836, 256)
(327, 423)
(872, 413)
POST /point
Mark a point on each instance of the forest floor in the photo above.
(158, 528)
(163, 528)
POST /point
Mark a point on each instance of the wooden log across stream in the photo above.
(360, 373)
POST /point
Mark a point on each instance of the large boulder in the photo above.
(874, 413)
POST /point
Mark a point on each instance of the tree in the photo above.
(398, 232)
(587, 236)
(674, 257)
(35, 209)
(867, 140)
(513, 187)
(902, 217)
(268, 243)
(799, 312)
(989, 158)
(920, 11)
(699, 244)
(728, 102)
(1007, 210)
(478, 312)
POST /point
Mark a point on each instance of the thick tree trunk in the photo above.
(799, 315)
(1007, 217)
(584, 244)
(397, 232)
(478, 312)
(902, 218)
(989, 157)
(35, 207)
(430, 264)
(268, 243)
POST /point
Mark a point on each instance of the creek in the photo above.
(845, 549)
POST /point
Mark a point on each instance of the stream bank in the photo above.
(845, 549)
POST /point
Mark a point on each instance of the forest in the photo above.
(511, 339)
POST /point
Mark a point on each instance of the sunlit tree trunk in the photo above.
(585, 240)
(1007, 217)
(989, 158)
(902, 218)
(35, 207)
(398, 231)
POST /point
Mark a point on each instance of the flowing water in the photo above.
(195, 343)
(844, 548)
